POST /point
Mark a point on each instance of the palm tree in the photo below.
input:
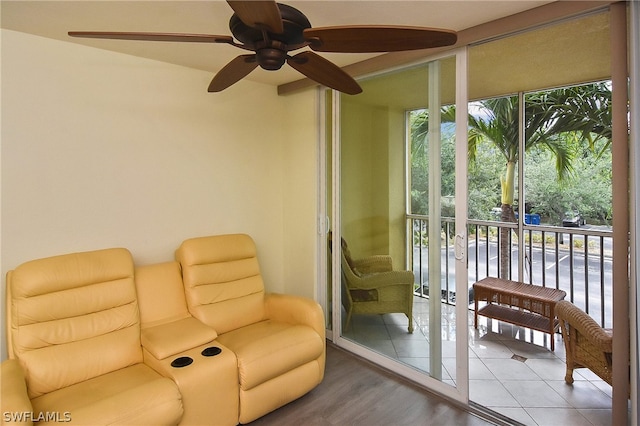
(587, 111)
(584, 110)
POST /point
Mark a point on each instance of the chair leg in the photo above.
(346, 325)
(570, 366)
(410, 323)
(569, 376)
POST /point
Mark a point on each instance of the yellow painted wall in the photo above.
(101, 149)
(372, 179)
(300, 200)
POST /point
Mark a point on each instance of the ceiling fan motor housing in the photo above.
(271, 48)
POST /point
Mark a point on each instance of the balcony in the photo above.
(511, 369)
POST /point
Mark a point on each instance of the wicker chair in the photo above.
(586, 343)
(371, 286)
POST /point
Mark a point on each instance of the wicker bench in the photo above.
(525, 305)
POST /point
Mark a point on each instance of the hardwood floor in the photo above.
(355, 392)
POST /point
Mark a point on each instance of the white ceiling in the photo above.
(54, 19)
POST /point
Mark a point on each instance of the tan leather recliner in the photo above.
(179, 346)
(279, 340)
(74, 345)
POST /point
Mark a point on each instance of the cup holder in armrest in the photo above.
(182, 361)
(211, 351)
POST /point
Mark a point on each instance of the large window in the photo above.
(559, 212)
(566, 191)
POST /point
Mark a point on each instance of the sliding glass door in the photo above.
(397, 177)
(397, 240)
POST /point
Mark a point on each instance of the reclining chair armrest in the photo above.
(373, 264)
(14, 397)
(384, 279)
(295, 310)
(169, 339)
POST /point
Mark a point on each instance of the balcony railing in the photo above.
(576, 260)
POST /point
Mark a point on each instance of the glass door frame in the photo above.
(334, 330)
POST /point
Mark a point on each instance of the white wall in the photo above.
(101, 149)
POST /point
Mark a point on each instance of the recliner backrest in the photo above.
(73, 317)
(222, 280)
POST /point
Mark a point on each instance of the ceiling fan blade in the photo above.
(324, 72)
(193, 38)
(364, 39)
(259, 13)
(233, 72)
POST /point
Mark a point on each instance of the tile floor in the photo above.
(511, 369)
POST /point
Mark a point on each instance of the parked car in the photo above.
(573, 218)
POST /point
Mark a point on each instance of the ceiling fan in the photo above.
(271, 30)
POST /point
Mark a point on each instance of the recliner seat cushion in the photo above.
(134, 395)
(269, 349)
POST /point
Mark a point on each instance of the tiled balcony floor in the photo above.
(511, 369)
